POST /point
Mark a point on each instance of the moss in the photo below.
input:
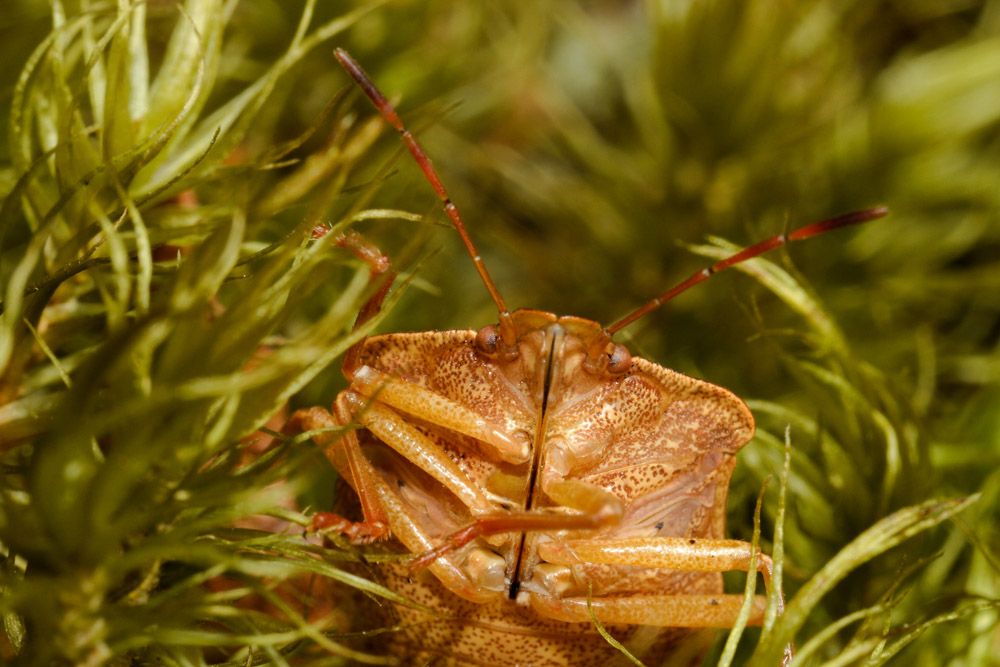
(164, 167)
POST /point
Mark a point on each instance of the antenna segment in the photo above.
(777, 241)
(508, 332)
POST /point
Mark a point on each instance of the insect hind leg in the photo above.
(674, 553)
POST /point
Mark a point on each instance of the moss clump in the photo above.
(164, 168)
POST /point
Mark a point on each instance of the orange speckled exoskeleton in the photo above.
(535, 465)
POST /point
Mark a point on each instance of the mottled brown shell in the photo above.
(661, 442)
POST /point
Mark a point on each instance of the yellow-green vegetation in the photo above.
(164, 165)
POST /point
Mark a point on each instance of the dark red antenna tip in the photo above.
(508, 333)
(815, 229)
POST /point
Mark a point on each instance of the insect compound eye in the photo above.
(619, 361)
(488, 339)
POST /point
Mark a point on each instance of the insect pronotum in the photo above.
(539, 473)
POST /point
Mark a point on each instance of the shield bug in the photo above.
(540, 474)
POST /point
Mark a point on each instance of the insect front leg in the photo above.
(381, 507)
(476, 576)
(440, 410)
(344, 453)
(396, 432)
(380, 273)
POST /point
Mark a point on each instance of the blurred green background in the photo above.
(590, 146)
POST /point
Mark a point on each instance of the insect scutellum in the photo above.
(604, 355)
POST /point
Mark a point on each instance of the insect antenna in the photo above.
(508, 332)
(776, 241)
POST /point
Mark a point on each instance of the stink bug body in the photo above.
(540, 474)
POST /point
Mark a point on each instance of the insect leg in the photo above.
(378, 502)
(674, 553)
(382, 273)
(598, 508)
(440, 410)
(669, 611)
(345, 454)
(415, 447)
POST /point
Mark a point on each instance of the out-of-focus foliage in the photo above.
(163, 298)
(593, 147)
